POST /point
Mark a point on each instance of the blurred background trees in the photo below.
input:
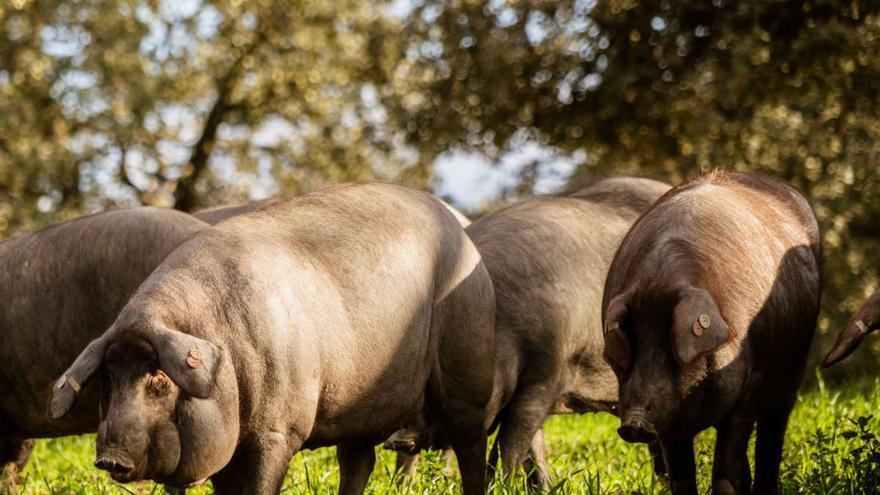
(188, 103)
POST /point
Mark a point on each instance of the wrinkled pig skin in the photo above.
(62, 287)
(865, 321)
(548, 257)
(710, 307)
(328, 319)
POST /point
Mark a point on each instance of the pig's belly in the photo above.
(369, 408)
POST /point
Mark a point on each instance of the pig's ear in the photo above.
(67, 387)
(191, 362)
(847, 341)
(617, 349)
(697, 325)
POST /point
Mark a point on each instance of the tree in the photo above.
(669, 89)
(188, 104)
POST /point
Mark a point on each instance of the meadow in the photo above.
(832, 447)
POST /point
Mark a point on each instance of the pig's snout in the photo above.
(114, 464)
(402, 441)
(635, 428)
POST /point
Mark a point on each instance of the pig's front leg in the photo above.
(679, 457)
(768, 449)
(730, 471)
(355, 465)
(258, 466)
(657, 458)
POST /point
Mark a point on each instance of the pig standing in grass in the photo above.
(329, 319)
(548, 257)
(710, 305)
(61, 288)
(865, 321)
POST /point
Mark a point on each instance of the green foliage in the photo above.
(668, 89)
(192, 103)
(831, 447)
(107, 103)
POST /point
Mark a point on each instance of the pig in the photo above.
(62, 287)
(328, 319)
(710, 306)
(220, 213)
(865, 321)
(547, 257)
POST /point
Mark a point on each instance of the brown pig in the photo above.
(62, 287)
(710, 306)
(865, 321)
(328, 319)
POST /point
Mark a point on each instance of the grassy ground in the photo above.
(831, 447)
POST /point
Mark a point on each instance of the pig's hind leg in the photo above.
(461, 381)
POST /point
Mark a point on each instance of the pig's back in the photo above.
(548, 258)
(751, 240)
(346, 281)
(64, 286)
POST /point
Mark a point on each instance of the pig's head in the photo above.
(660, 344)
(865, 321)
(169, 404)
(421, 434)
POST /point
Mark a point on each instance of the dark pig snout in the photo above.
(114, 464)
(402, 441)
(636, 428)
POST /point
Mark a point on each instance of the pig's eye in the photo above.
(158, 383)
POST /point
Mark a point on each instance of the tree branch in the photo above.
(185, 190)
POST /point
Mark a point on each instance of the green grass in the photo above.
(831, 447)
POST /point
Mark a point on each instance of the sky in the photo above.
(470, 180)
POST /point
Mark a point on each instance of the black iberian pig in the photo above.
(328, 319)
(62, 287)
(710, 306)
(548, 257)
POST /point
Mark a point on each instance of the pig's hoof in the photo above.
(723, 487)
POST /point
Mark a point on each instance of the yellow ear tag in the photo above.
(614, 325)
(705, 321)
(194, 359)
(73, 384)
